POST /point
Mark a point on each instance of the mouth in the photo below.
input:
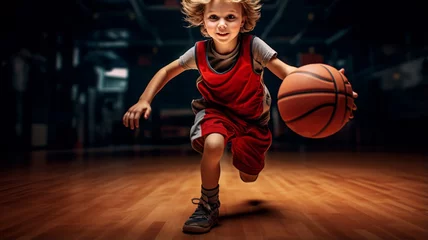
(222, 34)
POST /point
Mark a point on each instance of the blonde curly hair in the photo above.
(194, 13)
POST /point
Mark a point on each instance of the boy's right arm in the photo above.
(131, 118)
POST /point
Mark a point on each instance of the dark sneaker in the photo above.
(204, 218)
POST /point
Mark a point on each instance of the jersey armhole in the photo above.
(196, 57)
(252, 55)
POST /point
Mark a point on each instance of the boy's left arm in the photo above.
(279, 68)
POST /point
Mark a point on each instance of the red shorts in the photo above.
(249, 142)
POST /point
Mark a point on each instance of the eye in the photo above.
(213, 17)
(231, 17)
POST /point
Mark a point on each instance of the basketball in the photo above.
(315, 100)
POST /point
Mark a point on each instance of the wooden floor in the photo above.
(297, 196)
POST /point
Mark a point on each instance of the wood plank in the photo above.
(310, 196)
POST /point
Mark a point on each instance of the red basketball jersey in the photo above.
(239, 89)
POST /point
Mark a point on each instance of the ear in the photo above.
(244, 18)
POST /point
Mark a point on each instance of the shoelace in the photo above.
(203, 210)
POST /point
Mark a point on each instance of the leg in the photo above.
(210, 163)
(207, 212)
(248, 152)
(208, 136)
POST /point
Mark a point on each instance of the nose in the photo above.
(221, 24)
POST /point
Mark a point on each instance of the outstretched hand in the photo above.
(354, 95)
(132, 117)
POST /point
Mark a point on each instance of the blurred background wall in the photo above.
(69, 70)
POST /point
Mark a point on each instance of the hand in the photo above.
(354, 95)
(132, 117)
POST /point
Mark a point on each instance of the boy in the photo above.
(235, 102)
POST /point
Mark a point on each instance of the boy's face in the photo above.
(223, 20)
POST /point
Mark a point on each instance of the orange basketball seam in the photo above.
(313, 75)
(309, 112)
(335, 103)
(284, 95)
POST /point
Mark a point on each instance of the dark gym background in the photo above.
(55, 56)
(55, 93)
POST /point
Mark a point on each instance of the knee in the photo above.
(214, 143)
(247, 177)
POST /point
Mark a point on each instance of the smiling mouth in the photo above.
(222, 34)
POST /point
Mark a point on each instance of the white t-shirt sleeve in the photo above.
(187, 60)
(262, 52)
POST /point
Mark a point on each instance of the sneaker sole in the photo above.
(196, 229)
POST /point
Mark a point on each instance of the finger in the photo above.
(351, 116)
(125, 119)
(147, 113)
(136, 122)
(354, 94)
(131, 120)
(342, 70)
(354, 107)
(137, 119)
